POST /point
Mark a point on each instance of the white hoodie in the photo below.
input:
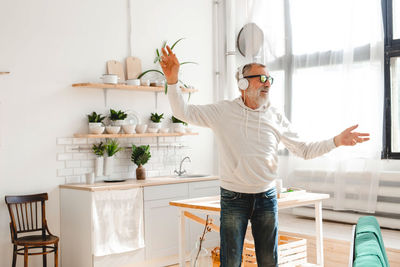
(247, 140)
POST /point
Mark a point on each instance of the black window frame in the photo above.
(392, 49)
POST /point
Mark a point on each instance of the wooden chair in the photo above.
(28, 215)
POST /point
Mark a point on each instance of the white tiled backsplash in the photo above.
(75, 157)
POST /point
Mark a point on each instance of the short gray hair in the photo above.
(247, 68)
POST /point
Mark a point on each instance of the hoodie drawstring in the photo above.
(247, 118)
(259, 122)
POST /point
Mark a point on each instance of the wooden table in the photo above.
(211, 205)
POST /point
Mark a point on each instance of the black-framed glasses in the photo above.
(263, 78)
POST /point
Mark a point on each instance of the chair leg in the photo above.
(14, 261)
(56, 255)
(25, 256)
(44, 257)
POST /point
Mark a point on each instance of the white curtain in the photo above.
(332, 55)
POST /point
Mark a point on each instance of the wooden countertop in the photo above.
(133, 183)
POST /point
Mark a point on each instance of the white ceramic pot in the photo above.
(110, 78)
(129, 128)
(189, 130)
(96, 128)
(152, 130)
(178, 128)
(118, 123)
(108, 165)
(113, 129)
(141, 128)
(99, 166)
(135, 82)
(156, 125)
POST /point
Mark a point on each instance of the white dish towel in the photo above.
(117, 221)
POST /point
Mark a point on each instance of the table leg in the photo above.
(319, 241)
(181, 238)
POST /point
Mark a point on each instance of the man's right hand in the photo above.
(170, 65)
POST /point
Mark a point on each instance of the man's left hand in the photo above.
(349, 138)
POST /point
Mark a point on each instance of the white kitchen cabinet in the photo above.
(160, 225)
(204, 189)
(161, 219)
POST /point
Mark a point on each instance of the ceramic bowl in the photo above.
(152, 130)
(110, 78)
(164, 130)
(141, 128)
(133, 82)
(113, 129)
(96, 129)
(129, 128)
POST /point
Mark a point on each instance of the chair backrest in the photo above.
(27, 213)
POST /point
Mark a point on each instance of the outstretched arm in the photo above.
(201, 115)
(349, 138)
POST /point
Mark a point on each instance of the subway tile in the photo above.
(87, 163)
(80, 156)
(72, 163)
(71, 149)
(78, 171)
(79, 141)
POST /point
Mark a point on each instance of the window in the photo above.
(391, 138)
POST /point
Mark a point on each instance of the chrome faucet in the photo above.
(180, 172)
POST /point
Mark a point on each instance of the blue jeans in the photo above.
(262, 211)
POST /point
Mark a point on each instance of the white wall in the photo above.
(49, 44)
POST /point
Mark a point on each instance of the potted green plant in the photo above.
(178, 125)
(98, 150)
(112, 148)
(158, 59)
(155, 123)
(140, 156)
(117, 117)
(95, 123)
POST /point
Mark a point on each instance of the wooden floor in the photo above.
(337, 238)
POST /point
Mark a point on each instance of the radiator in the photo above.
(387, 209)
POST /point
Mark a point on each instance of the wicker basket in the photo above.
(292, 251)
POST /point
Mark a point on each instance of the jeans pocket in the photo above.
(270, 194)
(228, 195)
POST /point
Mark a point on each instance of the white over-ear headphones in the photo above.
(243, 83)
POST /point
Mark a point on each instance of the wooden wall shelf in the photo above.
(77, 135)
(4, 72)
(129, 87)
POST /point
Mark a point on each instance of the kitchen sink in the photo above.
(192, 175)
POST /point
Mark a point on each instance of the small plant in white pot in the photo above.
(155, 123)
(95, 123)
(178, 125)
(112, 148)
(140, 156)
(98, 150)
(117, 117)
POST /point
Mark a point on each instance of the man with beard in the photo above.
(248, 130)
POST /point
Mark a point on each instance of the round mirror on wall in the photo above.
(250, 40)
